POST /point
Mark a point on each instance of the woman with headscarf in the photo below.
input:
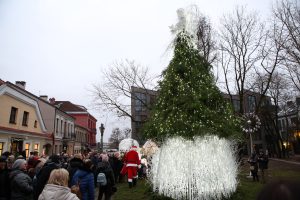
(20, 182)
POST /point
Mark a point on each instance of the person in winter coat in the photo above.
(85, 177)
(20, 182)
(253, 166)
(263, 161)
(57, 187)
(4, 180)
(117, 167)
(104, 167)
(75, 163)
(133, 162)
(39, 164)
(43, 175)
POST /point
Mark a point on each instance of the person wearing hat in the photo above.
(44, 174)
(4, 179)
(20, 182)
(132, 162)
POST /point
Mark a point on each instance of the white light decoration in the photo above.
(251, 123)
(205, 168)
(127, 143)
(188, 20)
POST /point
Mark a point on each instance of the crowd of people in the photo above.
(64, 177)
(259, 163)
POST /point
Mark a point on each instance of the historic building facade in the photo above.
(22, 128)
(82, 118)
(289, 125)
(80, 139)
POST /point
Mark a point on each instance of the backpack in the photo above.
(101, 179)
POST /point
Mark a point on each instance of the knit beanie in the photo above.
(18, 163)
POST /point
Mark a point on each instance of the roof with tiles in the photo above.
(67, 106)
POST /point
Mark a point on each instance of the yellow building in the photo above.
(22, 129)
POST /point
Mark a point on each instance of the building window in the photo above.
(27, 145)
(251, 103)
(152, 100)
(61, 127)
(36, 147)
(140, 102)
(35, 124)
(25, 118)
(57, 126)
(65, 130)
(236, 105)
(13, 115)
(1, 147)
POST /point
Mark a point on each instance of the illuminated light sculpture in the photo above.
(205, 168)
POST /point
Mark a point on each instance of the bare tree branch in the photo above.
(287, 15)
(114, 94)
(241, 38)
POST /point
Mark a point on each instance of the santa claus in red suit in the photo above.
(132, 162)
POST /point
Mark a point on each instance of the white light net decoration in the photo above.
(127, 143)
(205, 168)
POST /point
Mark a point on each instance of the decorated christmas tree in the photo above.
(189, 102)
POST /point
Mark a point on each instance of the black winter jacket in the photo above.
(75, 163)
(42, 178)
(105, 167)
(4, 182)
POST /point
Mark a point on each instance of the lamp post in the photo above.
(250, 134)
(102, 131)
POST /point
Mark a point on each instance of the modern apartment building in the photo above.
(250, 103)
(142, 99)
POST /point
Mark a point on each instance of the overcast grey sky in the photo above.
(59, 47)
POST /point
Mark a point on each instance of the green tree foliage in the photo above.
(189, 102)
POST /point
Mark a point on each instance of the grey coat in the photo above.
(21, 185)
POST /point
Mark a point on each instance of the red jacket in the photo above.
(132, 159)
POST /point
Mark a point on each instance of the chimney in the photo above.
(21, 84)
(44, 97)
(52, 100)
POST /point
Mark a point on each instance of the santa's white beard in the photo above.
(205, 168)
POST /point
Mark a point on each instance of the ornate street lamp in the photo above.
(250, 126)
(102, 131)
